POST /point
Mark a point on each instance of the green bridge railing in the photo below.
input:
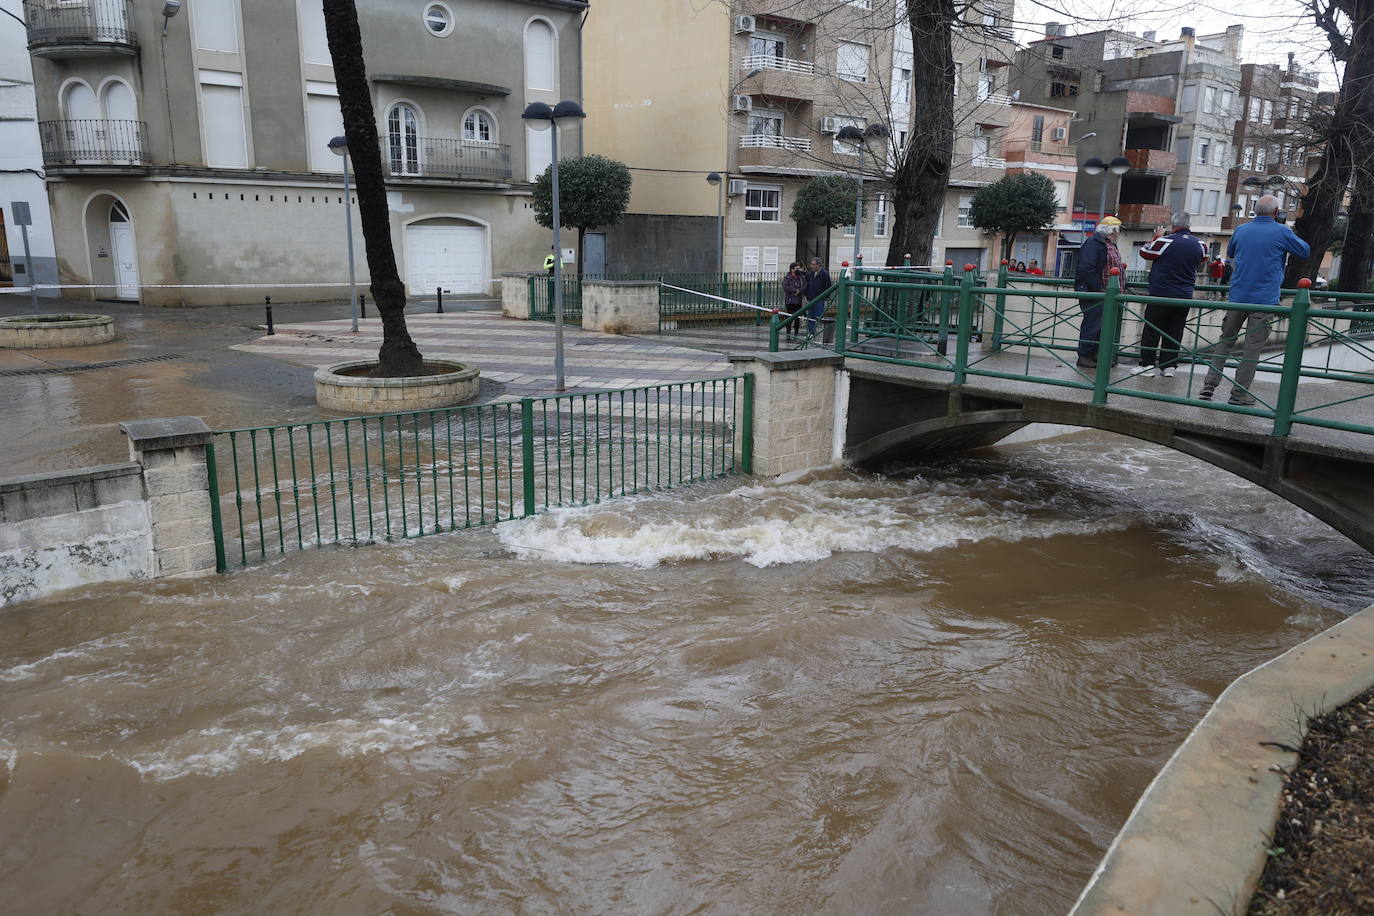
(360, 480)
(1027, 330)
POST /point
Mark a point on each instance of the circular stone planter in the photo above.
(34, 332)
(346, 387)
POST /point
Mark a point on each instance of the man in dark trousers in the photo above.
(817, 282)
(1259, 249)
(1174, 259)
(1096, 258)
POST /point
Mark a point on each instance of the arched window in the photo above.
(403, 139)
(478, 126)
(79, 103)
(540, 57)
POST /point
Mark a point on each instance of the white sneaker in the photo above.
(1167, 372)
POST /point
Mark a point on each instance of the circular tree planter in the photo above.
(346, 387)
(34, 332)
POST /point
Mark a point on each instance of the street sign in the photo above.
(19, 212)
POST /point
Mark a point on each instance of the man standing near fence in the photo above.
(1258, 249)
(1096, 258)
(1174, 260)
(817, 283)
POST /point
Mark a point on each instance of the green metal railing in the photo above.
(1029, 332)
(360, 480)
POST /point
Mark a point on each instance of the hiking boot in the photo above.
(1240, 399)
(1206, 394)
(1085, 362)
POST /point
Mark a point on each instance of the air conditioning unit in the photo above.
(744, 24)
(744, 103)
(737, 187)
(1059, 133)
(830, 125)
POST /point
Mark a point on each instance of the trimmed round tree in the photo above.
(825, 201)
(593, 192)
(1014, 204)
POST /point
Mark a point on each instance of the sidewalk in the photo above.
(518, 355)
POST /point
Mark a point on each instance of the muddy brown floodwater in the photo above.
(939, 691)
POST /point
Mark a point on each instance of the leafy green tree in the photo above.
(825, 201)
(1014, 204)
(593, 192)
(398, 355)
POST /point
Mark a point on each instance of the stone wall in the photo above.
(620, 306)
(515, 293)
(794, 409)
(72, 528)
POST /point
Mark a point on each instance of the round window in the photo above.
(438, 19)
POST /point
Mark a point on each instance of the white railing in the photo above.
(796, 144)
(769, 62)
(989, 162)
(994, 98)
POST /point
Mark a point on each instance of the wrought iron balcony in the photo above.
(95, 141)
(431, 157)
(80, 28)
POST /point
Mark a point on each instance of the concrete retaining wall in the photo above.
(72, 528)
(515, 293)
(148, 518)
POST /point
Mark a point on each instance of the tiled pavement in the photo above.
(516, 354)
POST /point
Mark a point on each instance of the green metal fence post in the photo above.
(1292, 359)
(216, 522)
(533, 286)
(942, 333)
(758, 291)
(746, 437)
(965, 325)
(841, 312)
(527, 452)
(906, 260)
(774, 325)
(1106, 340)
(1000, 308)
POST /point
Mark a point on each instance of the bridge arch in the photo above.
(1333, 485)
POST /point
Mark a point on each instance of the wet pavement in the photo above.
(61, 408)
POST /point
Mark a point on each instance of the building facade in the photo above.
(21, 167)
(756, 92)
(181, 163)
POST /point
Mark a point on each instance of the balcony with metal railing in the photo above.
(80, 28)
(771, 150)
(1029, 149)
(455, 160)
(780, 77)
(94, 142)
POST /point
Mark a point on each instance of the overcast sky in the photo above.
(1272, 27)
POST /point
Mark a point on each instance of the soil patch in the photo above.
(371, 371)
(1321, 858)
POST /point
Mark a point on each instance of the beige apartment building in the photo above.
(756, 91)
(190, 152)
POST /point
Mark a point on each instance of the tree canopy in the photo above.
(1014, 204)
(593, 192)
(825, 201)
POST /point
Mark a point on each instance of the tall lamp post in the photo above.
(860, 137)
(715, 179)
(1095, 166)
(542, 117)
(339, 147)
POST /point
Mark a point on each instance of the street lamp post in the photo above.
(860, 137)
(1095, 166)
(715, 178)
(542, 117)
(339, 147)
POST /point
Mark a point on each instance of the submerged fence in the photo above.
(361, 480)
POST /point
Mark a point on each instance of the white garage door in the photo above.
(445, 256)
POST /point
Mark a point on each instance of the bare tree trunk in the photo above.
(1349, 139)
(1359, 239)
(922, 171)
(398, 355)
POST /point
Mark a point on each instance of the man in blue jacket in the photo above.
(1174, 260)
(1259, 249)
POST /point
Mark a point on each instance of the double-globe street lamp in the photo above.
(1120, 165)
(339, 147)
(860, 136)
(542, 116)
